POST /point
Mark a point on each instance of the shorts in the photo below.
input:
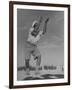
(31, 49)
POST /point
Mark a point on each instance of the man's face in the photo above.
(36, 26)
(36, 30)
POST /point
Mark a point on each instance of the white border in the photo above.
(32, 82)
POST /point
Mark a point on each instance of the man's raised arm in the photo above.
(45, 26)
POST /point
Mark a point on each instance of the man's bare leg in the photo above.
(38, 62)
(27, 66)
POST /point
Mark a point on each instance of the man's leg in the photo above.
(27, 60)
(27, 63)
(38, 62)
(27, 66)
(38, 59)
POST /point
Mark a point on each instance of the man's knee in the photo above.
(37, 57)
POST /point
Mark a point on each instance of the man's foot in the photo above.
(37, 74)
(37, 71)
(27, 71)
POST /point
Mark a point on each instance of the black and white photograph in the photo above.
(40, 44)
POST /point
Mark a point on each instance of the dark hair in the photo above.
(35, 25)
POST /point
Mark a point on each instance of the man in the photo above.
(34, 36)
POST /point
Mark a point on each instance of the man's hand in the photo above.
(46, 20)
(40, 19)
(45, 26)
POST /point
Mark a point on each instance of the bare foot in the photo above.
(27, 71)
(37, 71)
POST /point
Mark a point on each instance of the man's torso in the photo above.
(34, 36)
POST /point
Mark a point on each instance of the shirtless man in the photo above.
(34, 36)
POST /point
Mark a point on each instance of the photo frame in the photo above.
(54, 47)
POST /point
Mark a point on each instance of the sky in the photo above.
(51, 45)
